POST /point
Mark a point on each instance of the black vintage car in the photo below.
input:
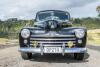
(52, 33)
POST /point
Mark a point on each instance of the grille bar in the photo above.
(52, 36)
(57, 39)
(52, 42)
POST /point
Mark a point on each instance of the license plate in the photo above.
(52, 49)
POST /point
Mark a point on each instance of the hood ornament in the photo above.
(52, 24)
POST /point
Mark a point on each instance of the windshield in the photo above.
(53, 14)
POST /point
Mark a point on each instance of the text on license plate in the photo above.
(52, 49)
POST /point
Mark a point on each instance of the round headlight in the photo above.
(25, 33)
(79, 33)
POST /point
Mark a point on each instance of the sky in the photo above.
(26, 9)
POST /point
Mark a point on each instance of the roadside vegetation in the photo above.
(89, 23)
(94, 37)
(10, 28)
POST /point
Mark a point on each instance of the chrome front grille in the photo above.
(54, 41)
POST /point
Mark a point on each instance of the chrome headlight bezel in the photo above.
(80, 33)
(25, 33)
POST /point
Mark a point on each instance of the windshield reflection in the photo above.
(53, 15)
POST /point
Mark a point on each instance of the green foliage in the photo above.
(13, 26)
(89, 23)
(98, 10)
(77, 20)
(99, 15)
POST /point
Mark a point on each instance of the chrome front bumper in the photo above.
(65, 50)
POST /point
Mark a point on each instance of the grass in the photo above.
(3, 41)
(94, 37)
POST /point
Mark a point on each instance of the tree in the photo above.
(77, 20)
(98, 10)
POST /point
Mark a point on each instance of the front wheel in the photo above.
(26, 56)
(79, 56)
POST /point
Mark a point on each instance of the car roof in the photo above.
(52, 10)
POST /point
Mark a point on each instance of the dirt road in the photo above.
(10, 57)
